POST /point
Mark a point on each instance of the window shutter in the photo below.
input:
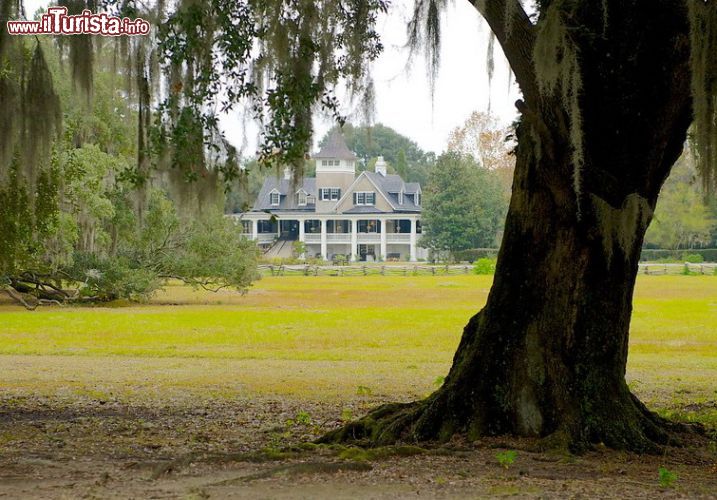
(354, 198)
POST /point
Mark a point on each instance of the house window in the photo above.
(368, 226)
(418, 199)
(274, 199)
(329, 194)
(312, 226)
(364, 198)
(330, 163)
(338, 227)
(301, 198)
(400, 198)
(266, 227)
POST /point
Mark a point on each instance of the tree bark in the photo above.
(547, 355)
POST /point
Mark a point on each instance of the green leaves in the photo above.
(463, 205)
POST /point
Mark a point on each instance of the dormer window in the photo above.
(301, 198)
(274, 198)
(365, 198)
(330, 163)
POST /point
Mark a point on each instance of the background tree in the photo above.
(463, 206)
(492, 146)
(70, 222)
(369, 142)
(682, 219)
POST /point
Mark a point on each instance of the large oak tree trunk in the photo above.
(547, 355)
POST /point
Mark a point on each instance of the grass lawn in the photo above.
(406, 328)
(195, 370)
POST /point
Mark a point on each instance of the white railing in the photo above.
(338, 238)
(398, 238)
(266, 238)
(392, 238)
(369, 238)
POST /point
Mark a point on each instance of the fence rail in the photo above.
(686, 268)
(653, 269)
(363, 270)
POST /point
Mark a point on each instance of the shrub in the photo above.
(658, 255)
(692, 258)
(474, 254)
(484, 266)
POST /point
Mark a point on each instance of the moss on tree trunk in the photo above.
(547, 355)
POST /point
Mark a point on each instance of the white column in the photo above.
(354, 240)
(278, 227)
(383, 240)
(254, 229)
(301, 236)
(324, 252)
(413, 240)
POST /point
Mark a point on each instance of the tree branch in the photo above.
(516, 35)
(20, 299)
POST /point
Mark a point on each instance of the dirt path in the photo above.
(52, 447)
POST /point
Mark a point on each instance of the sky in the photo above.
(403, 97)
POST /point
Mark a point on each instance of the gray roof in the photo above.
(389, 184)
(287, 190)
(364, 210)
(335, 147)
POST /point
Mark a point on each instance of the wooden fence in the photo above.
(364, 270)
(446, 270)
(686, 268)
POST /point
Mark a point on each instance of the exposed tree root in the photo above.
(629, 426)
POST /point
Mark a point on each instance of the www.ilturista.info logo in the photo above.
(56, 21)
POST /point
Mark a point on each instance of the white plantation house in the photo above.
(372, 216)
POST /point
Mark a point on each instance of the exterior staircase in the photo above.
(282, 249)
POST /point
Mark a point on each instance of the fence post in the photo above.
(383, 270)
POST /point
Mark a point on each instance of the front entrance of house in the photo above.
(367, 253)
(289, 229)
